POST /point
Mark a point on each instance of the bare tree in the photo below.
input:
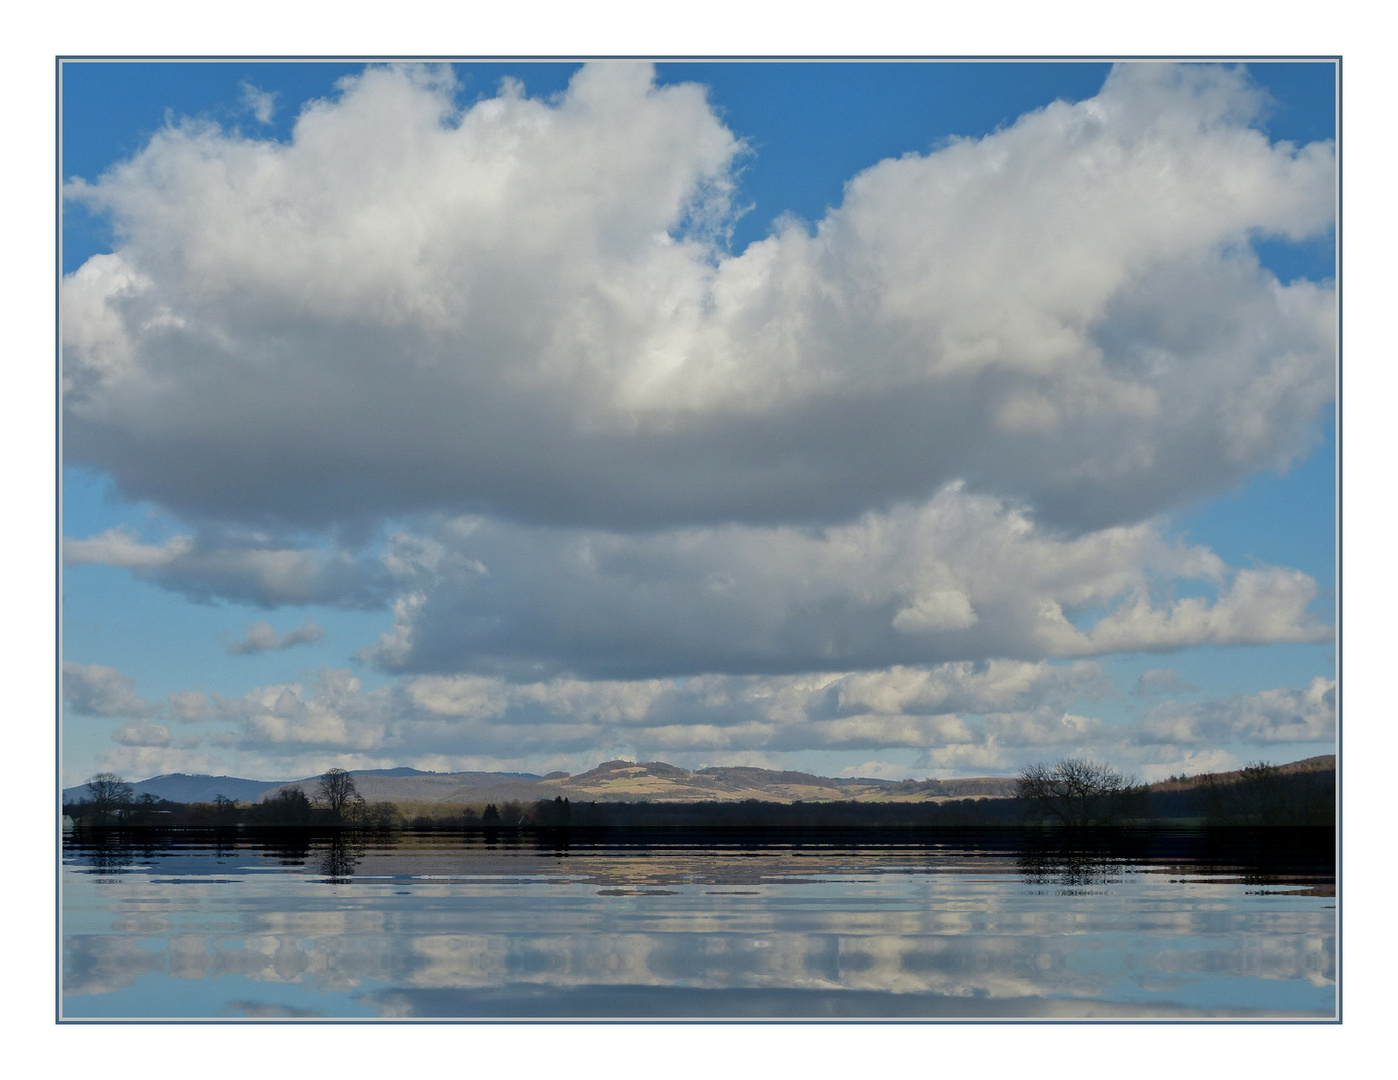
(225, 809)
(1075, 792)
(337, 791)
(107, 792)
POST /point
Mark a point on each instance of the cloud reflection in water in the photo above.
(461, 933)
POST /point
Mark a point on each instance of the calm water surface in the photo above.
(452, 926)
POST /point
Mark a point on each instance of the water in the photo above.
(451, 926)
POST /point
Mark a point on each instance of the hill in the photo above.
(1319, 764)
(650, 781)
(187, 788)
(611, 781)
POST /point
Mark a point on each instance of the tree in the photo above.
(145, 809)
(289, 806)
(337, 790)
(225, 809)
(1075, 792)
(107, 793)
(557, 812)
(380, 815)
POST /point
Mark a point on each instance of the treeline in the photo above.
(281, 811)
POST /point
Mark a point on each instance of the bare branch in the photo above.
(1075, 792)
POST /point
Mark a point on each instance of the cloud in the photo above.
(1271, 716)
(264, 574)
(188, 706)
(260, 103)
(1259, 605)
(525, 308)
(963, 577)
(262, 637)
(947, 719)
(102, 691)
(956, 716)
(142, 733)
(494, 368)
(332, 714)
(147, 761)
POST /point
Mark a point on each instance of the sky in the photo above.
(870, 419)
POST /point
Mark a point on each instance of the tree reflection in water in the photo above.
(338, 858)
(107, 855)
(289, 848)
(1070, 869)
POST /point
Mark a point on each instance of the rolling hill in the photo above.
(612, 781)
(627, 781)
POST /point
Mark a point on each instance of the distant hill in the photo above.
(184, 788)
(1320, 763)
(656, 781)
(612, 781)
(629, 781)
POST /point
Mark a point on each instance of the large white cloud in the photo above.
(961, 578)
(855, 482)
(522, 308)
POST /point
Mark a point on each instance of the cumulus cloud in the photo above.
(331, 714)
(456, 718)
(963, 577)
(265, 574)
(260, 103)
(262, 637)
(526, 308)
(102, 691)
(188, 706)
(950, 719)
(494, 368)
(133, 761)
(956, 716)
(1272, 716)
(142, 733)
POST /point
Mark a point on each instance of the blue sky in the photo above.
(895, 419)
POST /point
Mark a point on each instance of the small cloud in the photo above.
(261, 637)
(102, 691)
(877, 770)
(189, 705)
(264, 1009)
(1162, 681)
(142, 733)
(257, 574)
(261, 103)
